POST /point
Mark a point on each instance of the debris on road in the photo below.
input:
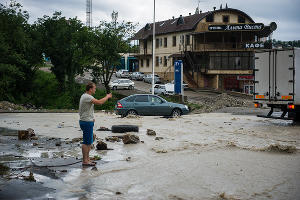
(26, 134)
(159, 138)
(113, 138)
(103, 129)
(131, 139)
(30, 177)
(3, 169)
(75, 140)
(159, 150)
(96, 158)
(280, 148)
(101, 145)
(128, 159)
(151, 132)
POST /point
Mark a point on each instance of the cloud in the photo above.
(284, 13)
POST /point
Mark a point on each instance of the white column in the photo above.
(153, 47)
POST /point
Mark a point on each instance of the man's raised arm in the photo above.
(103, 100)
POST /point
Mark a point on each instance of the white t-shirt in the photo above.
(86, 108)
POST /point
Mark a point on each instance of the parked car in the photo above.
(163, 89)
(137, 76)
(185, 85)
(151, 105)
(121, 84)
(148, 78)
(122, 73)
(159, 89)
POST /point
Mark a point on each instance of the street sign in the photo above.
(178, 74)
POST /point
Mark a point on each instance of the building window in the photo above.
(165, 61)
(210, 18)
(142, 63)
(187, 38)
(225, 18)
(156, 43)
(165, 42)
(157, 61)
(241, 19)
(160, 42)
(174, 41)
(181, 39)
(160, 60)
(147, 62)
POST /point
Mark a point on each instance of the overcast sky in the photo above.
(284, 12)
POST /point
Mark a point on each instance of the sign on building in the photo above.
(254, 45)
(237, 27)
(245, 77)
(178, 74)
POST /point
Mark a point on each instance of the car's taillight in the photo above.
(291, 106)
(119, 105)
(257, 105)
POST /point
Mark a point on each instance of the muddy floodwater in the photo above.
(199, 156)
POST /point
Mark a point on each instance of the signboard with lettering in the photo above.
(245, 77)
(237, 27)
(254, 45)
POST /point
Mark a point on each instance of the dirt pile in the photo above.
(7, 106)
(280, 148)
(210, 104)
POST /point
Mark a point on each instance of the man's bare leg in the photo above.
(85, 153)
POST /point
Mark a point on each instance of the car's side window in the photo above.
(154, 99)
(141, 98)
(130, 99)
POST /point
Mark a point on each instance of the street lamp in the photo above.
(153, 47)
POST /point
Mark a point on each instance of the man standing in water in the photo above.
(86, 122)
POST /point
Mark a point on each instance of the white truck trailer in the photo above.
(277, 82)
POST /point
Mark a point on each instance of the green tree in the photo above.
(20, 52)
(69, 45)
(111, 39)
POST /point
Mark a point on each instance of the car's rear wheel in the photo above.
(114, 88)
(130, 87)
(176, 113)
(131, 112)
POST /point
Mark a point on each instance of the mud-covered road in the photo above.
(224, 155)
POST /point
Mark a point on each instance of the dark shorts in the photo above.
(87, 129)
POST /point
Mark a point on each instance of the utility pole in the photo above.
(153, 47)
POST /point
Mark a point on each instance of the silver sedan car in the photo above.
(121, 84)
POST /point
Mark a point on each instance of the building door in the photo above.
(231, 83)
(248, 89)
(206, 82)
